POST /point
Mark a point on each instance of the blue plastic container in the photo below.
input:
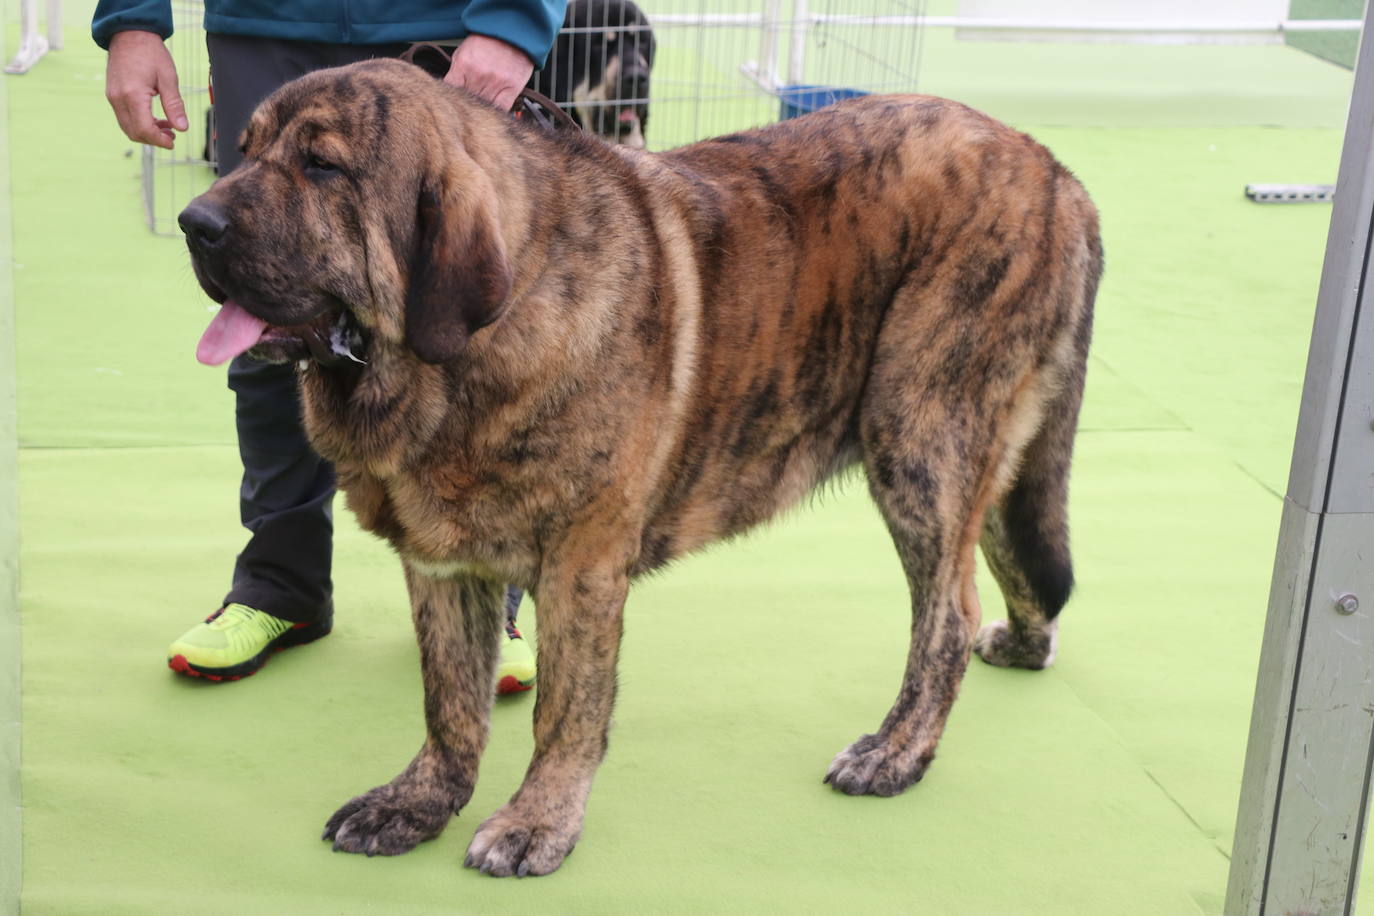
(800, 100)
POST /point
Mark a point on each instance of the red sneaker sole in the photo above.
(180, 665)
(509, 684)
(298, 635)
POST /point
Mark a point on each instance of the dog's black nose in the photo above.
(635, 85)
(204, 223)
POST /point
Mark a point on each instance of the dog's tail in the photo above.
(1026, 535)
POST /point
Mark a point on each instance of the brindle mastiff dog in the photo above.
(583, 361)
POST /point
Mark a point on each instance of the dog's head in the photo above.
(362, 215)
(601, 64)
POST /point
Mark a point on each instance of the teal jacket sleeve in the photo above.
(529, 25)
(120, 15)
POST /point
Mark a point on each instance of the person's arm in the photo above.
(507, 39)
(139, 68)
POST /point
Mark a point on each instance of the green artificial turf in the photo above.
(1107, 784)
(11, 846)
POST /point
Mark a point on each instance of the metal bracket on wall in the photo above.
(1291, 193)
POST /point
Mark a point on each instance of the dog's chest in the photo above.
(445, 521)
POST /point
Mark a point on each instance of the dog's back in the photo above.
(890, 273)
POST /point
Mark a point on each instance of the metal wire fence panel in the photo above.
(869, 45)
(172, 177)
(717, 66)
(722, 65)
(702, 83)
(33, 44)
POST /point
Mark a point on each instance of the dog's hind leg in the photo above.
(947, 411)
(1026, 544)
(931, 457)
(458, 622)
(1026, 532)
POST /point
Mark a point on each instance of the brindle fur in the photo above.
(588, 361)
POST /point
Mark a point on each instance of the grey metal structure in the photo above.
(1305, 796)
(32, 44)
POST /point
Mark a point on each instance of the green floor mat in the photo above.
(743, 672)
(11, 842)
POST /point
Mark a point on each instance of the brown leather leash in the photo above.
(435, 60)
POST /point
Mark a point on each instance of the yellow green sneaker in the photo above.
(516, 671)
(236, 641)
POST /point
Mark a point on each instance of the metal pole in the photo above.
(796, 58)
(55, 25)
(32, 46)
(1305, 792)
(768, 50)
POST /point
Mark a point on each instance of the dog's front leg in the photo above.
(458, 625)
(579, 616)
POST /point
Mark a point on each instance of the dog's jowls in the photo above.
(583, 361)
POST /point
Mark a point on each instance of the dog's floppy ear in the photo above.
(648, 44)
(459, 275)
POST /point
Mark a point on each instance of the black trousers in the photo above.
(287, 494)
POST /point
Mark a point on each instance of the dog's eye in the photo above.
(316, 164)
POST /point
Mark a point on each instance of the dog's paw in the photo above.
(511, 842)
(872, 766)
(998, 645)
(388, 821)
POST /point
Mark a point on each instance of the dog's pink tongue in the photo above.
(230, 333)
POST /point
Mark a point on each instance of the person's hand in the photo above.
(491, 69)
(139, 67)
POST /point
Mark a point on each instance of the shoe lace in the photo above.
(237, 616)
(229, 617)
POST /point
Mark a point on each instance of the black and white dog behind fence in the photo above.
(598, 70)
